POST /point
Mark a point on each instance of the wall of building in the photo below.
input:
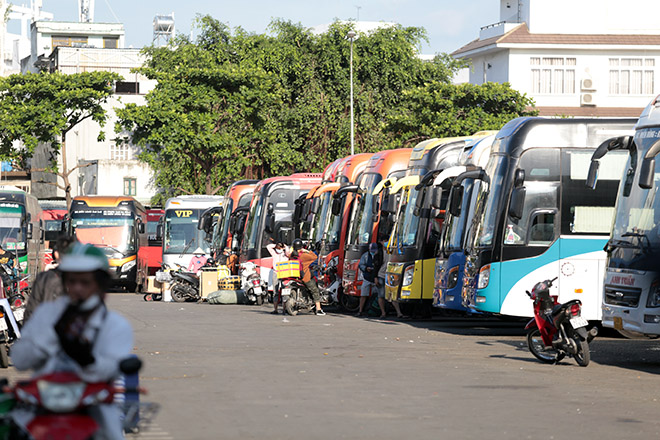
(490, 67)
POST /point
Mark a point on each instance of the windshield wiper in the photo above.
(187, 247)
(106, 246)
(614, 243)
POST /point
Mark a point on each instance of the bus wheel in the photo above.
(4, 356)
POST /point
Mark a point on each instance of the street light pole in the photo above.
(351, 36)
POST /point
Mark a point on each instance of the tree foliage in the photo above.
(232, 104)
(43, 107)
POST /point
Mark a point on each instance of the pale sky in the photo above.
(450, 24)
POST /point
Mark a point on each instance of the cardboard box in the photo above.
(208, 282)
(153, 286)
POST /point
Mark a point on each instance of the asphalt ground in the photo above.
(238, 372)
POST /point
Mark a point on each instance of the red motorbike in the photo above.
(557, 330)
(60, 402)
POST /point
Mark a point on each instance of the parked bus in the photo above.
(21, 228)
(237, 197)
(631, 295)
(270, 218)
(450, 255)
(537, 219)
(150, 256)
(366, 223)
(54, 216)
(181, 237)
(411, 246)
(318, 202)
(117, 225)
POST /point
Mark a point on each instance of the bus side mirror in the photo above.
(593, 174)
(419, 202)
(647, 173)
(519, 178)
(141, 228)
(336, 206)
(315, 204)
(456, 200)
(389, 203)
(436, 197)
(270, 222)
(30, 228)
(517, 203)
(297, 213)
(159, 232)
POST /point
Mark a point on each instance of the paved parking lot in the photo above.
(237, 372)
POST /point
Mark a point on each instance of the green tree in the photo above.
(442, 110)
(43, 108)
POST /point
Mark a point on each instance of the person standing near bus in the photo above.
(280, 253)
(306, 259)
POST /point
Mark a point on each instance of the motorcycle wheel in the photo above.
(538, 349)
(349, 303)
(4, 356)
(179, 293)
(260, 300)
(583, 355)
(290, 307)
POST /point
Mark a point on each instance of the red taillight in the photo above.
(575, 309)
(255, 282)
(18, 303)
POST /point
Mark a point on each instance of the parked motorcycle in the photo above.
(251, 283)
(60, 403)
(185, 285)
(558, 330)
(13, 291)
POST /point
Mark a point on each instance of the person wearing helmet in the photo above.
(306, 258)
(76, 332)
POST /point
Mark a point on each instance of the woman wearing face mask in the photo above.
(370, 264)
(77, 332)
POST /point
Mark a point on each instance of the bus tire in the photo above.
(4, 356)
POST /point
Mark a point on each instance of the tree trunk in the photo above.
(208, 183)
(64, 174)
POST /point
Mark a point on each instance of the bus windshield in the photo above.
(333, 228)
(12, 234)
(221, 229)
(496, 170)
(112, 230)
(362, 219)
(181, 233)
(408, 222)
(321, 217)
(254, 221)
(635, 240)
(455, 230)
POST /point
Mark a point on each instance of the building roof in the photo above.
(600, 112)
(521, 35)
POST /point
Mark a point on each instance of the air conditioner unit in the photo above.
(588, 99)
(587, 84)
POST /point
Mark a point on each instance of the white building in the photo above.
(107, 167)
(577, 58)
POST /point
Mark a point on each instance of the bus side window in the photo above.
(542, 228)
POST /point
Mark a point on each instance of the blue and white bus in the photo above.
(538, 219)
(631, 295)
(450, 255)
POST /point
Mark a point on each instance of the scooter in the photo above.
(558, 330)
(297, 298)
(61, 401)
(252, 284)
(185, 285)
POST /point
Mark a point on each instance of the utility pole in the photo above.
(351, 36)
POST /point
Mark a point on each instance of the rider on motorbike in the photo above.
(306, 259)
(78, 333)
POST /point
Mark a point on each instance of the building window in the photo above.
(632, 76)
(127, 87)
(68, 41)
(130, 186)
(121, 152)
(553, 76)
(110, 42)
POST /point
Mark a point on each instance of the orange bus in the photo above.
(117, 226)
(369, 222)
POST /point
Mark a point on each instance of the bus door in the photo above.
(530, 240)
(586, 220)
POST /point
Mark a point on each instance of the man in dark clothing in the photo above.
(370, 264)
(306, 259)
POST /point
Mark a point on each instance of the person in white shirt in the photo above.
(279, 252)
(78, 333)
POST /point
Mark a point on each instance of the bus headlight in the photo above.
(654, 295)
(408, 275)
(484, 277)
(128, 266)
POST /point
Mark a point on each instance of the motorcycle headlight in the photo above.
(654, 295)
(128, 266)
(408, 275)
(60, 397)
(484, 277)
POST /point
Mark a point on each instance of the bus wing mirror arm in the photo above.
(647, 170)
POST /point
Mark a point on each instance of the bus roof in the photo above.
(193, 201)
(305, 179)
(535, 132)
(100, 201)
(650, 117)
(330, 171)
(388, 161)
